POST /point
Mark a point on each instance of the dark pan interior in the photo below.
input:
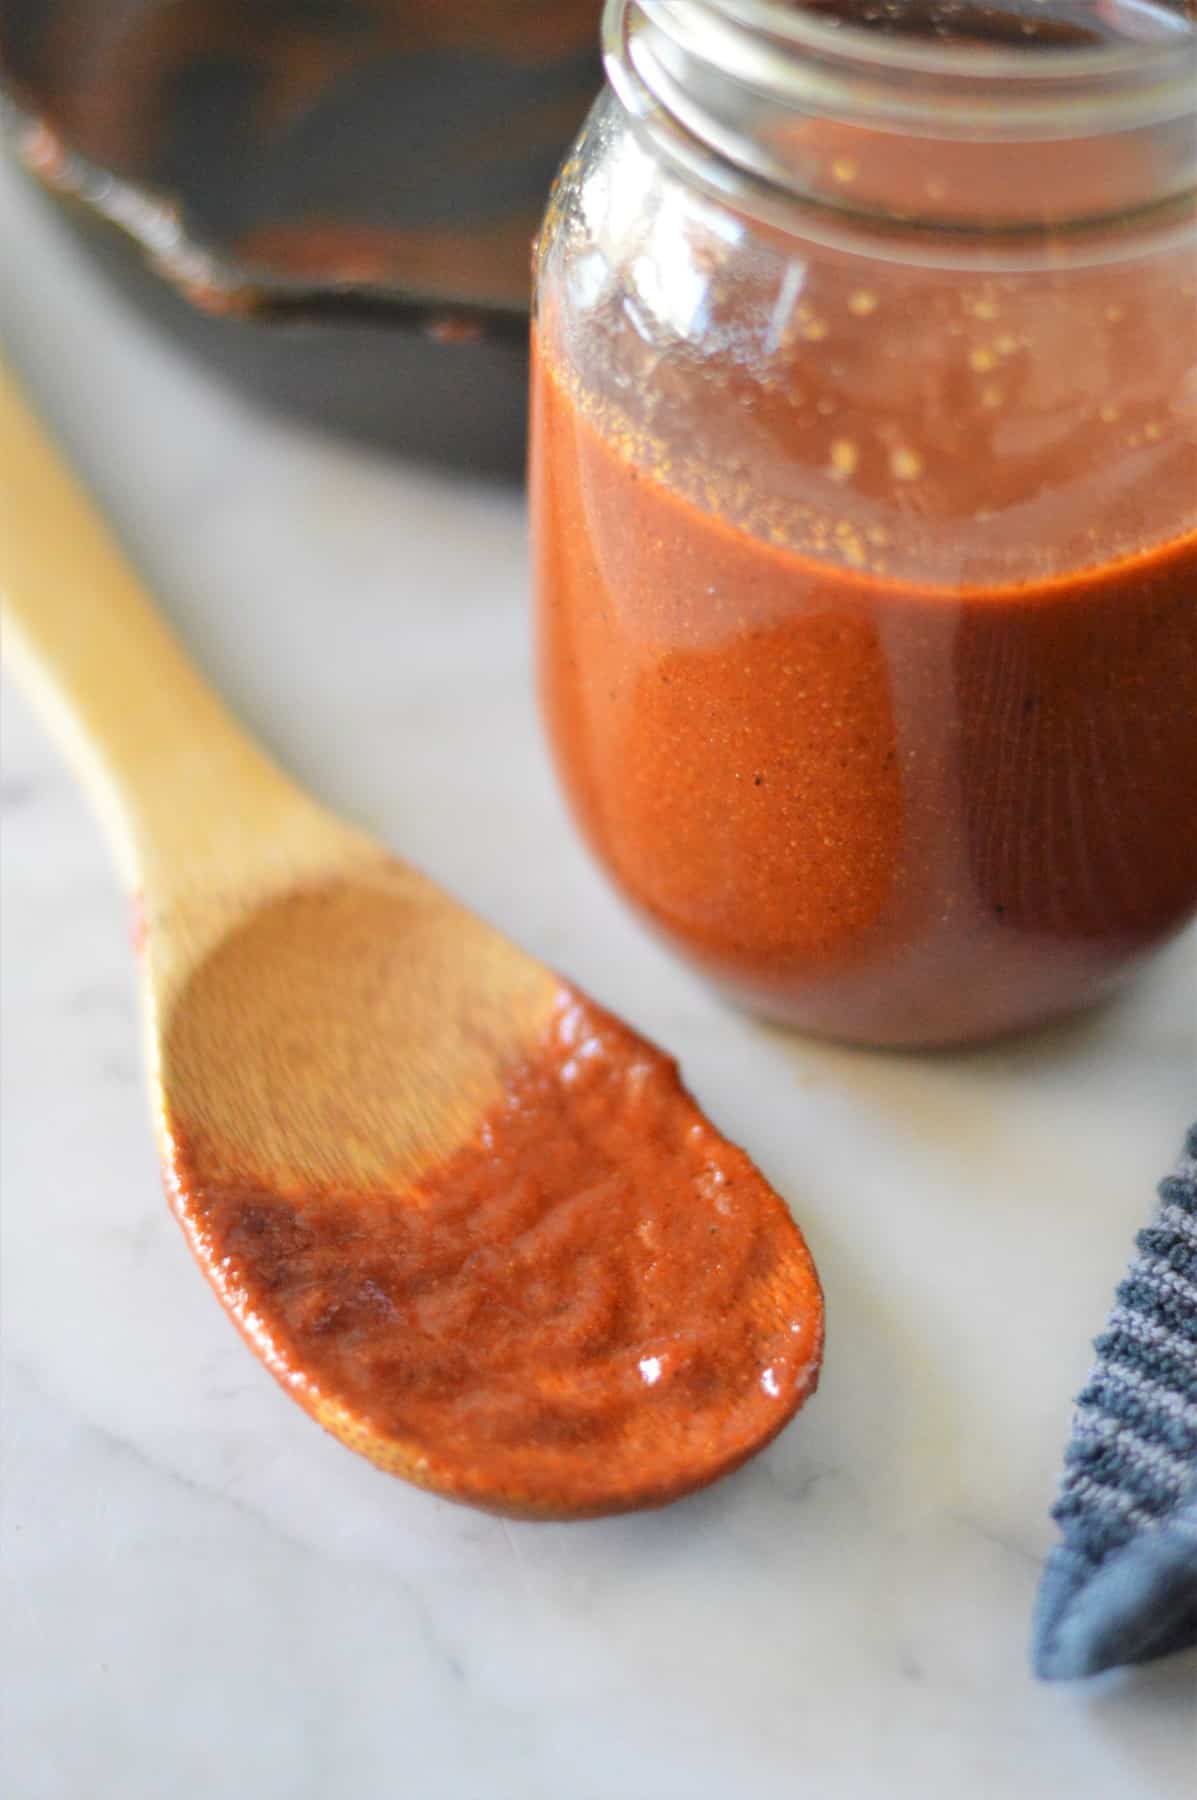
(341, 193)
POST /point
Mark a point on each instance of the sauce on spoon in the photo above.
(597, 1301)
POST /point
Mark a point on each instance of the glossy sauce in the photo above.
(897, 809)
(598, 1303)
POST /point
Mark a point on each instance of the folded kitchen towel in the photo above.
(1122, 1585)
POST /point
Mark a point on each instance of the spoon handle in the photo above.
(184, 792)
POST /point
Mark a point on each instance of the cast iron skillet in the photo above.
(333, 200)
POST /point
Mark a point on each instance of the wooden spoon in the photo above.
(470, 1221)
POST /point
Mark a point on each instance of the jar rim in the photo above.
(797, 59)
(810, 121)
(798, 28)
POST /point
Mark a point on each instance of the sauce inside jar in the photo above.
(876, 688)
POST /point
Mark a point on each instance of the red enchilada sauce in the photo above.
(598, 1303)
(878, 774)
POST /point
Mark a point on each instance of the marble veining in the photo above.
(205, 1595)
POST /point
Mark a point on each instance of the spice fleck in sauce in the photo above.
(597, 1303)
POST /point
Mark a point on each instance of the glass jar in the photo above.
(864, 488)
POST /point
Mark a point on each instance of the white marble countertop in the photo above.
(206, 1595)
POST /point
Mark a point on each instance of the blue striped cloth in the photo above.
(1121, 1587)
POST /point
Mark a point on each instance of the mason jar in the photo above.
(864, 489)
